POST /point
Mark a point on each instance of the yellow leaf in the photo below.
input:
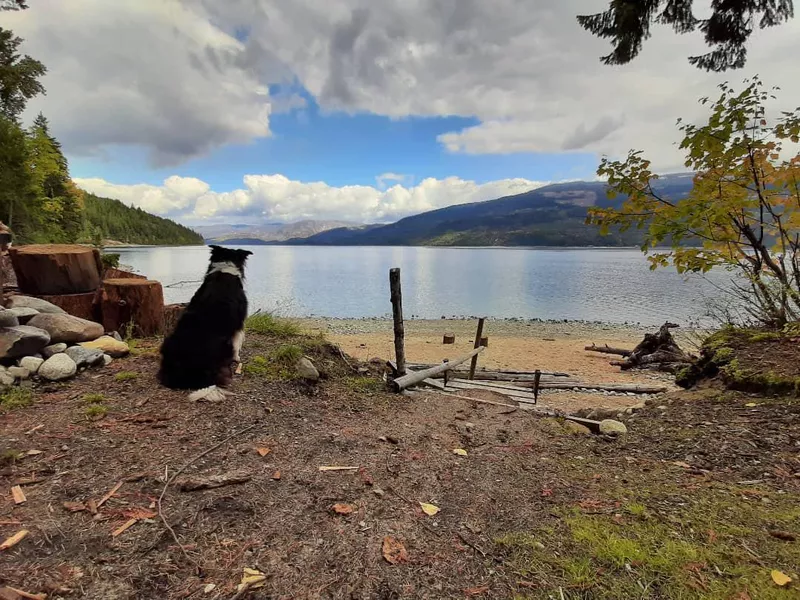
(780, 578)
(251, 579)
(429, 509)
(460, 452)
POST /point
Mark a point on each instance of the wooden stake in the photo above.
(397, 316)
(478, 336)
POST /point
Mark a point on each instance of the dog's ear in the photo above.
(246, 253)
(213, 247)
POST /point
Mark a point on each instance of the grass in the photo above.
(15, 397)
(126, 376)
(93, 398)
(364, 384)
(278, 365)
(704, 549)
(95, 411)
(269, 324)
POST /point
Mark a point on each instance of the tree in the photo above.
(13, 4)
(727, 30)
(19, 76)
(743, 212)
(16, 184)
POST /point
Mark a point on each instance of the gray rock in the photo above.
(8, 319)
(107, 360)
(39, 305)
(85, 357)
(6, 379)
(22, 340)
(48, 351)
(66, 328)
(23, 313)
(19, 372)
(116, 336)
(58, 367)
(611, 427)
(576, 428)
(32, 363)
(306, 369)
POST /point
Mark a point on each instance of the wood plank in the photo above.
(412, 378)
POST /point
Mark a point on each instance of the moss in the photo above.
(95, 411)
(93, 398)
(723, 356)
(269, 324)
(767, 382)
(364, 384)
(278, 365)
(15, 397)
(126, 376)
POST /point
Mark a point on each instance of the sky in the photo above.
(251, 111)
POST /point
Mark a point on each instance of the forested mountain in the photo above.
(38, 199)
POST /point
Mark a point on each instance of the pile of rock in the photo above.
(39, 338)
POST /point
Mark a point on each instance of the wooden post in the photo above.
(478, 337)
(536, 376)
(397, 316)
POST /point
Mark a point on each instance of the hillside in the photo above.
(266, 232)
(105, 218)
(553, 215)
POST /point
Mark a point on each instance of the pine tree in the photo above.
(19, 76)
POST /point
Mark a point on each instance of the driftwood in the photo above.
(608, 350)
(656, 349)
(49, 269)
(412, 378)
(396, 296)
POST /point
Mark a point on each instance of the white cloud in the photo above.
(277, 198)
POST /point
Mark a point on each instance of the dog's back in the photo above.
(199, 352)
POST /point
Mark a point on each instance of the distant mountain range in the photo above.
(266, 232)
(552, 215)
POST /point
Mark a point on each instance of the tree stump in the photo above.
(54, 269)
(172, 313)
(485, 341)
(449, 338)
(134, 303)
(114, 273)
(86, 306)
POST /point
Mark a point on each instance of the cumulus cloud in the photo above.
(277, 198)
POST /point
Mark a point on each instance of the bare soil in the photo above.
(533, 510)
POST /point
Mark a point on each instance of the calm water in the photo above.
(610, 285)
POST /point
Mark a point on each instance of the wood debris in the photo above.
(10, 593)
(14, 539)
(37, 428)
(113, 491)
(335, 468)
(18, 494)
(124, 527)
(191, 484)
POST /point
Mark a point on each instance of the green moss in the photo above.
(723, 356)
(96, 411)
(765, 336)
(15, 397)
(126, 376)
(93, 398)
(269, 324)
(278, 365)
(767, 382)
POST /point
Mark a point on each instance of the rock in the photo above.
(48, 351)
(18, 372)
(611, 427)
(37, 304)
(23, 313)
(109, 345)
(116, 336)
(306, 369)
(22, 340)
(66, 328)
(6, 379)
(576, 428)
(598, 414)
(32, 363)
(107, 360)
(8, 319)
(85, 357)
(58, 367)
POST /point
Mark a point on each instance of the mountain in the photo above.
(552, 215)
(107, 219)
(266, 232)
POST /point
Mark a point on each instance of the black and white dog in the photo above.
(200, 352)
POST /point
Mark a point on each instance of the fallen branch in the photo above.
(410, 379)
(181, 470)
(608, 350)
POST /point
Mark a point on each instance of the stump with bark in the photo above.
(657, 351)
(172, 313)
(86, 306)
(54, 269)
(137, 304)
(114, 273)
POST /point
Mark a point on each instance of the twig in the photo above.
(241, 592)
(344, 358)
(470, 544)
(177, 283)
(181, 470)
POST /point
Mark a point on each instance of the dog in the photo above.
(207, 339)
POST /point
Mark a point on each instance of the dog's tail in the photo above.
(211, 393)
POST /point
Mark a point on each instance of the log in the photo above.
(134, 303)
(114, 273)
(449, 338)
(634, 388)
(172, 313)
(397, 317)
(608, 350)
(478, 334)
(410, 379)
(86, 306)
(485, 370)
(49, 269)
(654, 349)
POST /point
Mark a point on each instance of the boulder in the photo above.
(18, 372)
(39, 305)
(32, 363)
(8, 319)
(48, 351)
(306, 369)
(58, 367)
(5, 377)
(85, 357)
(23, 313)
(22, 340)
(66, 328)
(611, 427)
(109, 345)
(107, 360)
(576, 428)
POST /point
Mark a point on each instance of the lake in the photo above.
(611, 285)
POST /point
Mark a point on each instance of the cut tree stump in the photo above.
(449, 338)
(86, 306)
(114, 273)
(172, 313)
(135, 303)
(50, 269)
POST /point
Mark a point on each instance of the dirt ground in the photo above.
(700, 500)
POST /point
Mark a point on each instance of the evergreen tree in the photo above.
(19, 76)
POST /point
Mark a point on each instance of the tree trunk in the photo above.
(55, 269)
(86, 306)
(134, 303)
